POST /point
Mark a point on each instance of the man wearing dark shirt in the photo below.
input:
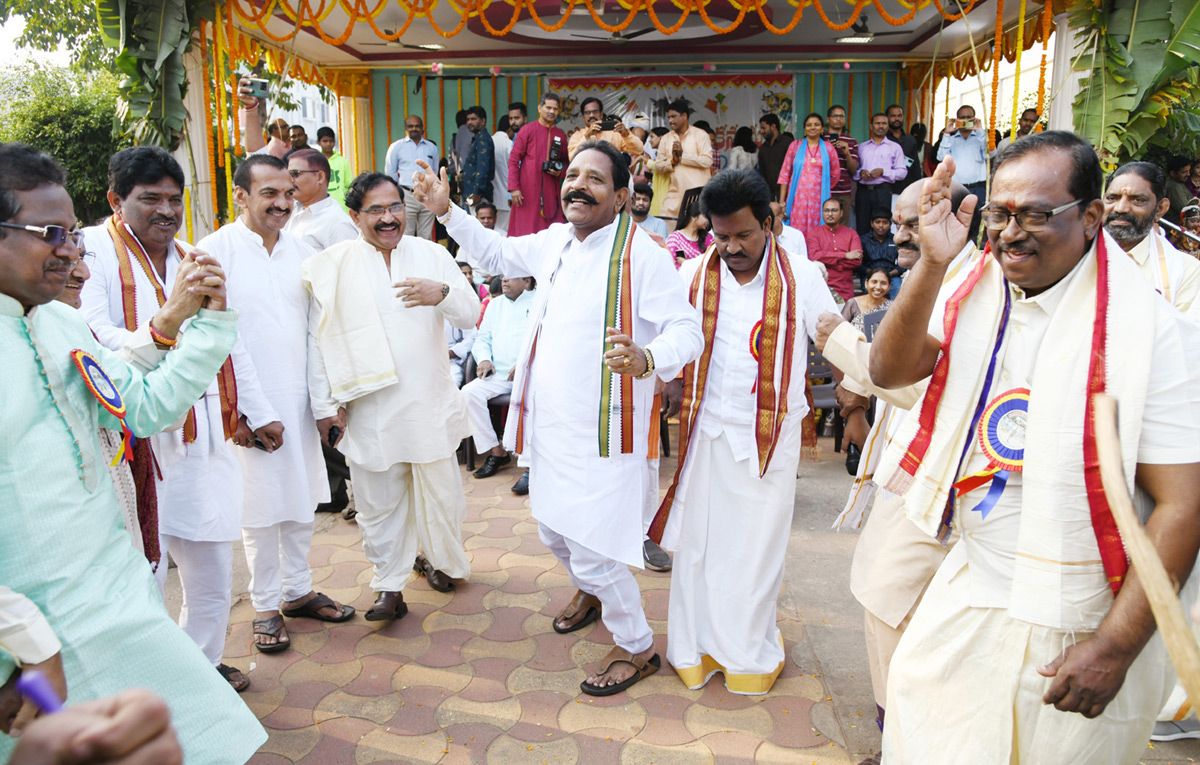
(772, 151)
(480, 166)
(879, 251)
(847, 149)
(912, 150)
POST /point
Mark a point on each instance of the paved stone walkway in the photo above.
(479, 675)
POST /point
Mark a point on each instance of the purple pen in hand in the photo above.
(34, 686)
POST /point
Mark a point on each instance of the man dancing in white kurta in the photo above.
(376, 307)
(1033, 643)
(200, 493)
(577, 411)
(739, 441)
(284, 478)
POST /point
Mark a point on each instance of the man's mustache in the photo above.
(579, 196)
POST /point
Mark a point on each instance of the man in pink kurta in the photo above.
(534, 191)
(838, 247)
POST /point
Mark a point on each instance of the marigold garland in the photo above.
(233, 110)
(1017, 79)
(997, 51)
(1047, 15)
(208, 121)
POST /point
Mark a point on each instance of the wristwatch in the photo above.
(649, 365)
(445, 289)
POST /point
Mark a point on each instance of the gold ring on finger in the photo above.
(628, 361)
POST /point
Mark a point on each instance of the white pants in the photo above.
(964, 688)
(652, 501)
(408, 507)
(418, 219)
(277, 556)
(477, 393)
(206, 573)
(502, 221)
(456, 372)
(611, 582)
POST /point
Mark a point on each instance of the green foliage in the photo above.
(68, 114)
(1141, 59)
(49, 23)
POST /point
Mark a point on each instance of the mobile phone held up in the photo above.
(607, 125)
(259, 88)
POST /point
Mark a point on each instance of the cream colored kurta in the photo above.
(200, 494)
(592, 500)
(265, 288)
(322, 224)
(694, 168)
(1175, 276)
(422, 417)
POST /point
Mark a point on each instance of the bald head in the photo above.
(906, 216)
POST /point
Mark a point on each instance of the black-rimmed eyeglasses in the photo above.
(1030, 221)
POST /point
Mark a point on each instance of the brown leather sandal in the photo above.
(272, 627)
(644, 667)
(584, 607)
(237, 681)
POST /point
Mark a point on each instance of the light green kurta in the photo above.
(62, 539)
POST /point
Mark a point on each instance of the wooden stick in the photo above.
(1161, 592)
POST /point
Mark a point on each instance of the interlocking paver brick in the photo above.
(539, 715)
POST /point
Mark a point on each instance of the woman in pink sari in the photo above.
(810, 170)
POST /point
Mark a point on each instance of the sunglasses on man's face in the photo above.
(55, 236)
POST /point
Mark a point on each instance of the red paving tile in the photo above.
(665, 720)
(793, 722)
(418, 711)
(376, 676)
(344, 575)
(340, 647)
(486, 558)
(507, 624)
(445, 649)
(500, 528)
(732, 747)
(600, 744)
(267, 758)
(553, 652)
(539, 715)
(289, 718)
(467, 600)
(522, 580)
(489, 682)
(716, 696)
(468, 743)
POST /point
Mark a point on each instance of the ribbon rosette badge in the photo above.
(98, 382)
(1002, 439)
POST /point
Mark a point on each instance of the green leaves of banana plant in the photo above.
(151, 37)
(1141, 59)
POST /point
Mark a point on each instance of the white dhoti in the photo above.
(609, 581)
(406, 508)
(729, 531)
(973, 671)
(476, 394)
(278, 559)
(653, 496)
(893, 564)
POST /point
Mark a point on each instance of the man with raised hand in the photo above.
(1034, 641)
(580, 414)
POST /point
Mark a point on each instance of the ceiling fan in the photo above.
(617, 38)
(398, 44)
(858, 32)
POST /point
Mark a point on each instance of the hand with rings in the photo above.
(625, 357)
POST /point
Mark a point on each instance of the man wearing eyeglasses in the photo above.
(1034, 641)
(77, 601)
(134, 291)
(318, 220)
(401, 163)
(379, 378)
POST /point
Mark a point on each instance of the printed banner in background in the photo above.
(726, 102)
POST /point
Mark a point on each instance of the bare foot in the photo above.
(619, 671)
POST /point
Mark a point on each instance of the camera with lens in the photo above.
(554, 164)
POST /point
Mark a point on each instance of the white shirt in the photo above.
(793, 243)
(1173, 274)
(1168, 433)
(422, 418)
(321, 225)
(730, 402)
(502, 333)
(461, 341)
(503, 145)
(272, 305)
(25, 634)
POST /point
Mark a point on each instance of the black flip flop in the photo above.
(611, 690)
(271, 627)
(312, 610)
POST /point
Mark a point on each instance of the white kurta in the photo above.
(1175, 276)
(321, 225)
(200, 494)
(272, 305)
(729, 565)
(421, 418)
(582, 496)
